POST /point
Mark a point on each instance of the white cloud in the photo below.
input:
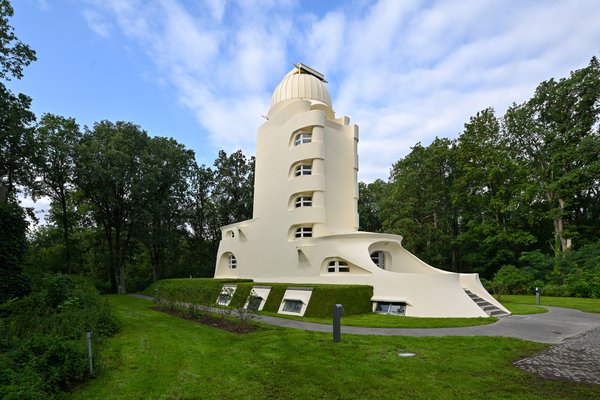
(97, 23)
(405, 71)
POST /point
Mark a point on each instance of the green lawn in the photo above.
(158, 356)
(587, 305)
(522, 309)
(374, 320)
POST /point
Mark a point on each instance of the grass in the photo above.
(522, 309)
(374, 320)
(158, 356)
(587, 305)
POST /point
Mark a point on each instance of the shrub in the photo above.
(13, 243)
(511, 280)
(43, 351)
(355, 299)
(274, 299)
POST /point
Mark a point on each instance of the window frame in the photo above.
(295, 306)
(391, 308)
(380, 258)
(303, 170)
(303, 201)
(233, 262)
(335, 266)
(303, 232)
(302, 138)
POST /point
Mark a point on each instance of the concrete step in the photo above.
(485, 305)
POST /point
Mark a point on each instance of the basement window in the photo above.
(294, 306)
(390, 308)
(254, 303)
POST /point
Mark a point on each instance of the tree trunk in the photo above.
(66, 239)
(120, 259)
(111, 260)
(154, 260)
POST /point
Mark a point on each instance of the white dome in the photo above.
(302, 83)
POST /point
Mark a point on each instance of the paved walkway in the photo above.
(551, 327)
(576, 359)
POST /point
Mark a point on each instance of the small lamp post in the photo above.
(537, 295)
(338, 310)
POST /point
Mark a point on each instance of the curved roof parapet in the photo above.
(302, 82)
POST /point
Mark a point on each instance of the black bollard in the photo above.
(338, 310)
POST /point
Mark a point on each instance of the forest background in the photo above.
(514, 197)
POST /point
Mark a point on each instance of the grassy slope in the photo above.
(394, 321)
(587, 305)
(158, 356)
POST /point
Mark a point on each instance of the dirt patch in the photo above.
(239, 327)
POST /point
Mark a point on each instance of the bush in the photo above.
(43, 350)
(511, 280)
(355, 299)
(13, 243)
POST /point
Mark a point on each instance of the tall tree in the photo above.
(488, 193)
(14, 54)
(203, 219)
(17, 146)
(555, 134)
(166, 167)
(419, 203)
(370, 196)
(13, 243)
(234, 187)
(108, 165)
(57, 138)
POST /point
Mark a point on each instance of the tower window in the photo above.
(378, 257)
(303, 232)
(337, 266)
(303, 201)
(232, 262)
(302, 137)
(303, 169)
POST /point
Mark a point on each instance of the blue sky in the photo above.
(203, 71)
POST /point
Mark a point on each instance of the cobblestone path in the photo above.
(576, 359)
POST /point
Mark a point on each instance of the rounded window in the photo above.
(302, 138)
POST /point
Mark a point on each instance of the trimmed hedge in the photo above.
(275, 297)
(196, 290)
(356, 299)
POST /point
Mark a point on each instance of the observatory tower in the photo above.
(304, 228)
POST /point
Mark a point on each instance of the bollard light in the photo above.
(338, 310)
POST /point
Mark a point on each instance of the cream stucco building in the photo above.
(304, 228)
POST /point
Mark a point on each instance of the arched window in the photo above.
(378, 257)
(303, 201)
(302, 137)
(303, 169)
(338, 266)
(232, 262)
(303, 232)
